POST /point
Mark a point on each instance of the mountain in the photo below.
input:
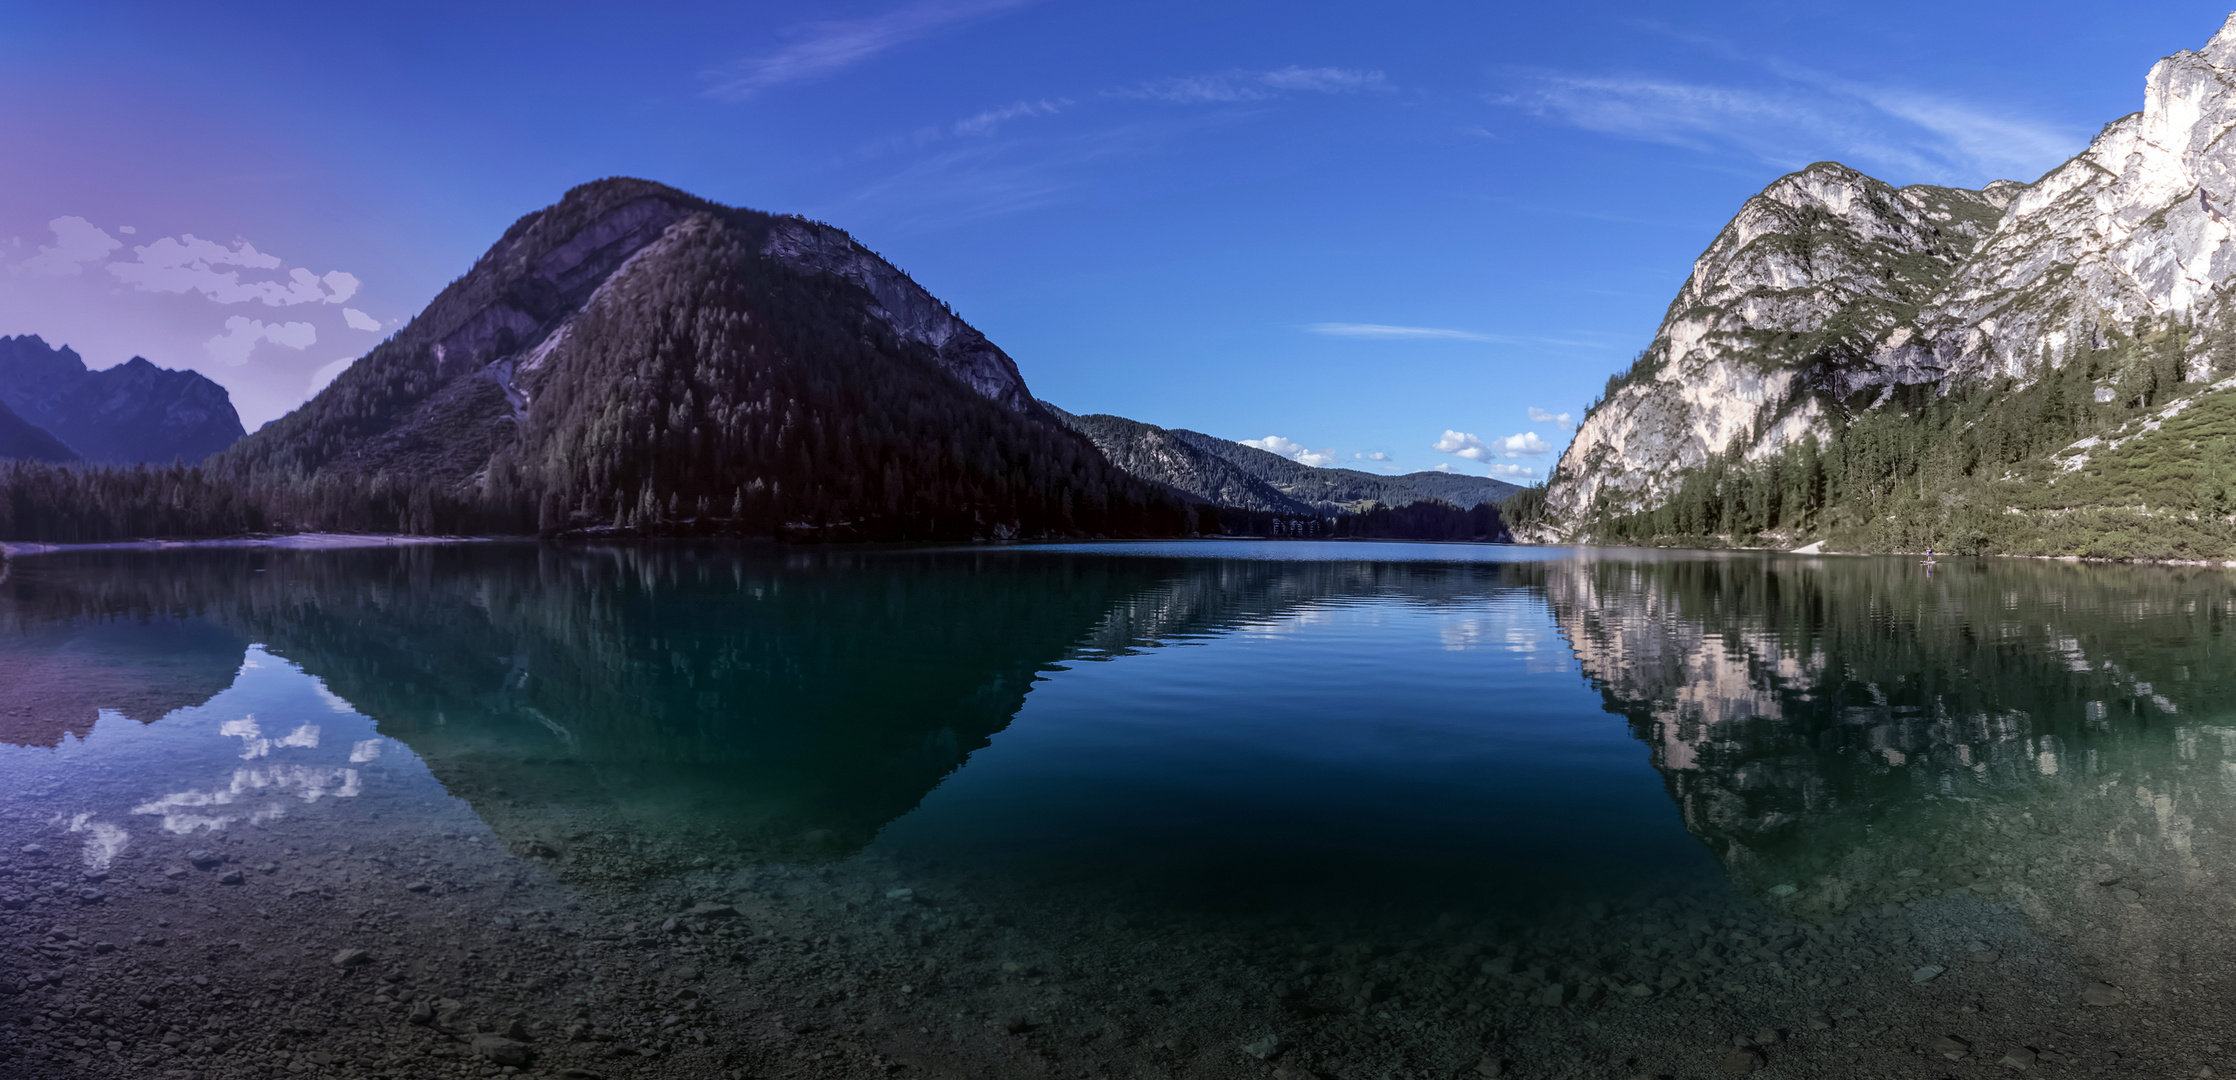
(22, 439)
(2037, 369)
(1332, 491)
(1228, 474)
(1164, 457)
(132, 413)
(634, 357)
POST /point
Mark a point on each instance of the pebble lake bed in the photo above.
(1282, 810)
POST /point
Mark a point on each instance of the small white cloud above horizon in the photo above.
(1507, 468)
(1564, 421)
(1460, 444)
(242, 334)
(1376, 455)
(1294, 451)
(126, 230)
(828, 47)
(358, 320)
(1442, 466)
(76, 243)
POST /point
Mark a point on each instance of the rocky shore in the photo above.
(372, 944)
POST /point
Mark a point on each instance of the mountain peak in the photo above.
(135, 412)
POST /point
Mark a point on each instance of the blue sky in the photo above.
(1419, 230)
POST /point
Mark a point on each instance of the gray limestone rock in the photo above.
(1830, 288)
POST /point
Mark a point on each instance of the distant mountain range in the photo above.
(1226, 473)
(132, 413)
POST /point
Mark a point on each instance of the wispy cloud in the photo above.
(1801, 116)
(1227, 87)
(825, 48)
(1387, 332)
(1564, 421)
(1294, 451)
(1375, 455)
(1379, 330)
(1509, 469)
(984, 123)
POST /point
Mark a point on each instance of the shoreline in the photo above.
(287, 541)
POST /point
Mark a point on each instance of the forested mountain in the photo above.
(1334, 491)
(20, 438)
(1228, 474)
(132, 413)
(1165, 457)
(2034, 369)
(635, 358)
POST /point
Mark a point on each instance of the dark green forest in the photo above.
(85, 504)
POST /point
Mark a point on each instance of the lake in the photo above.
(1288, 809)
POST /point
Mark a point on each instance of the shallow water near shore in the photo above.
(1158, 810)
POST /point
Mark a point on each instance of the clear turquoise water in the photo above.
(1592, 763)
(1225, 726)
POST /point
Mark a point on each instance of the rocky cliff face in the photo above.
(132, 413)
(1830, 287)
(1781, 319)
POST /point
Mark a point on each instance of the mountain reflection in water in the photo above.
(1289, 743)
(1836, 731)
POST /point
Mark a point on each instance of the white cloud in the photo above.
(984, 123)
(1379, 330)
(1374, 456)
(1805, 116)
(1526, 444)
(189, 264)
(1505, 468)
(827, 47)
(340, 284)
(126, 230)
(327, 373)
(1294, 451)
(1443, 466)
(76, 243)
(1463, 445)
(358, 320)
(1565, 421)
(1236, 86)
(242, 334)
